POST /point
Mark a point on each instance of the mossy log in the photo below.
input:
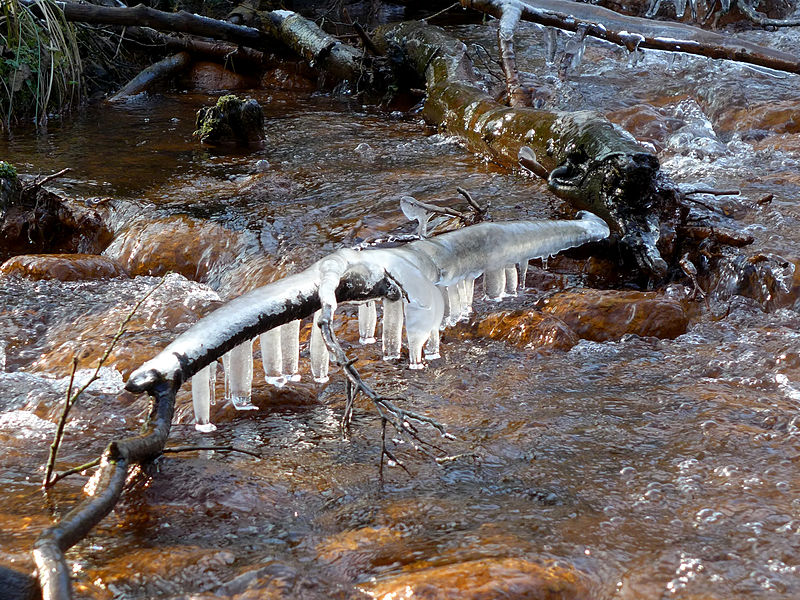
(591, 162)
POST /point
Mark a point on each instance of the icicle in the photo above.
(550, 45)
(238, 364)
(272, 357)
(455, 304)
(544, 263)
(367, 320)
(573, 50)
(494, 283)
(467, 292)
(652, 10)
(511, 280)
(392, 328)
(290, 350)
(432, 345)
(318, 351)
(680, 7)
(523, 273)
(203, 397)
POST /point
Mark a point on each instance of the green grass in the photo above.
(40, 65)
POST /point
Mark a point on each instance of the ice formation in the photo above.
(424, 285)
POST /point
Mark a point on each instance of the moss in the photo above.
(7, 170)
(230, 120)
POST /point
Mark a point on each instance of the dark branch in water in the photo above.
(228, 448)
(158, 71)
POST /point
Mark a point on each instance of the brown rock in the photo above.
(64, 267)
(209, 76)
(178, 243)
(524, 329)
(483, 580)
(604, 315)
(780, 117)
(646, 123)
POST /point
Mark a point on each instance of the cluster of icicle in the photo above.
(435, 278)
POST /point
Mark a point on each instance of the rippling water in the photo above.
(641, 468)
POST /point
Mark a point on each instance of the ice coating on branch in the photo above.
(414, 212)
(238, 364)
(367, 321)
(203, 397)
(412, 280)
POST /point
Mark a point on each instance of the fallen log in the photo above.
(589, 161)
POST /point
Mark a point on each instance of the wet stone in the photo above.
(522, 328)
(230, 121)
(181, 244)
(481, 579)
(606, 315)
(64, 267)
(770, 279)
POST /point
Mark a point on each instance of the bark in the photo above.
(636, 32)
(159, 71)
(182, 22)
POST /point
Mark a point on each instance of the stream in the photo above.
(626, 469)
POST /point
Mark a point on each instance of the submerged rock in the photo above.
(231, 120)
(64, 267)
(489, 578)
(606, 315)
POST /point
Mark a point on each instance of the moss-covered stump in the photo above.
(230, 121)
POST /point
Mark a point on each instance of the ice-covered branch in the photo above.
(637, 32)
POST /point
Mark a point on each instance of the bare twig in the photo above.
(59, 476)
(439, 210)
(441, 12)
(480, 213)
(175, 449)
(40, 182)
(712, 191)
(70, 400)
(365, 39)
(402, 420)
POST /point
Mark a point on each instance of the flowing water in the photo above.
(638, 468)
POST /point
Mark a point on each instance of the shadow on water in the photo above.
(637, 468)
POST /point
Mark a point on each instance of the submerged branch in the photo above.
(158, 71)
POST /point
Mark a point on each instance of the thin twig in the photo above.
(39, 183)
(228, 448)
(712, 192)
(59, 476)
(480, 211)
(441, 12)
(71, 400)
(365, 39)
(439, 210)
(402, 420)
